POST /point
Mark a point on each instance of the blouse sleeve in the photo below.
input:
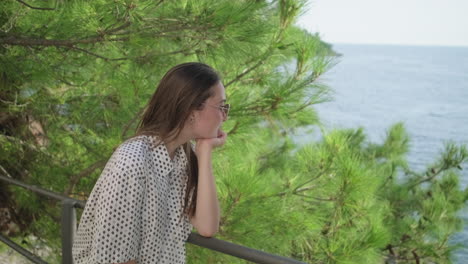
(118, 212)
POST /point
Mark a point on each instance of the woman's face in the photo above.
(207, 121)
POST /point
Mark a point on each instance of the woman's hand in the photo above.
(208, 144)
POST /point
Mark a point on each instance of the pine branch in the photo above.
(21, 41)
(453, 157)
(158, 3)
(245, 72)
(267, 105)
(5, 172)
(36, 8)
(434, 173)
(26, 144)
(415, 255)
(25, 41)
(70, 44)
(130, 123)
(97, 55)
(185, 51)
(113, 30)
(308, 181)
(76, 178)
(297, 192)
(261, 61)
(234, 129)
(228, 211)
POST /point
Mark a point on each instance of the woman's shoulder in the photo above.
(136, 146)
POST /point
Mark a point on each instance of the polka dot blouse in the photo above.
(135, 209)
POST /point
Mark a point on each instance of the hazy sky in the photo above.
(410, 22)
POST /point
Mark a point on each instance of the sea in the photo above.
(425, 87)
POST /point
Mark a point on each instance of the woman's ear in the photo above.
(193, 117)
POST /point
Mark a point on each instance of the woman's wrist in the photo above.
(203, 148)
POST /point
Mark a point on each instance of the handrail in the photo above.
(69, 225)
(22, 251)
(44, 192)
(238, 251)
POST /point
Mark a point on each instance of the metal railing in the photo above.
(68, 226)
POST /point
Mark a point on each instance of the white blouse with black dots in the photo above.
(135, 209)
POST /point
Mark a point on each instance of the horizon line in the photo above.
(397, 44)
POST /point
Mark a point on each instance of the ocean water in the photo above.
(426, 88)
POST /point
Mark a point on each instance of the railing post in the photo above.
(68, 229)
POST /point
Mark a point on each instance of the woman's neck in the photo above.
(173, 144)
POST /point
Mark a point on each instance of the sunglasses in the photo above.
(223, 108)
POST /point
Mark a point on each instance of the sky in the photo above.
(396, 22)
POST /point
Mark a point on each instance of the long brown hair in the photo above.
(183, 89)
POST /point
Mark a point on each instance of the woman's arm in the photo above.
(207, 214)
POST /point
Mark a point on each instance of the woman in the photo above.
(157, 185)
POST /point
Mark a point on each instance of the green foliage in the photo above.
(337, 200)
(74, 80)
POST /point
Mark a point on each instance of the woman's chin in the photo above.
(208, 136)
